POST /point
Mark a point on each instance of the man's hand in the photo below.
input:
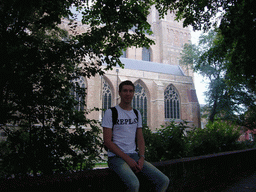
(133, 164)
(141, 146)
(140, 163)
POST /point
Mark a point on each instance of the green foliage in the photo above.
(173, 141)
(110, 22)
(152, 143)
(216, 137)
(207, 59)
(248, 119)
(225, 101)
(166, 143)
(236, 22)
(39, 64)
(46, 150)
(232, 17)
(239, 42)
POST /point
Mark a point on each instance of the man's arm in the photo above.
(141, 146)
(107, 137)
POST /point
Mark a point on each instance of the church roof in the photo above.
(152, 67)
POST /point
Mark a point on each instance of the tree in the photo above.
(236, 21)
(39, 62)
(209, 59)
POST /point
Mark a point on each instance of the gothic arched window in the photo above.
(106, 95)
(79, 92)
(146, 55)
(171, 103)
(140, 101)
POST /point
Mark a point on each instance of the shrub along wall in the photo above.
(187, 174)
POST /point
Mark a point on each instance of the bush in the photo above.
(170, 142)
(216, 137)
(166, 143)
(46, 150)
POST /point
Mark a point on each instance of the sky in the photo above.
(200, 86)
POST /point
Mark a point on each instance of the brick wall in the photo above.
(188, 174)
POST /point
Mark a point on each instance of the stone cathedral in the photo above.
(164, 91)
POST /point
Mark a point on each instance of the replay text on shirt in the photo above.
(126, 121)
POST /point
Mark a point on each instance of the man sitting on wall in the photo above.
(119, 138)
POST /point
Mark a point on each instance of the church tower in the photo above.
(169, 36)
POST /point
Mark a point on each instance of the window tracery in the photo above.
(106, 95)
(79, 94)
(171, 103)
(140, 101)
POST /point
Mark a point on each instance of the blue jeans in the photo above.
(130, 179)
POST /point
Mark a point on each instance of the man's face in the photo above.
(126, 94)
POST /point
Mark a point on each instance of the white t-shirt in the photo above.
(124, 130)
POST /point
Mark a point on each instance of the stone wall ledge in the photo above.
(187, 174)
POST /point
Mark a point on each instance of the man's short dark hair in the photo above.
(127, 82)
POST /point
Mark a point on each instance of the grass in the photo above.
(101, 165)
